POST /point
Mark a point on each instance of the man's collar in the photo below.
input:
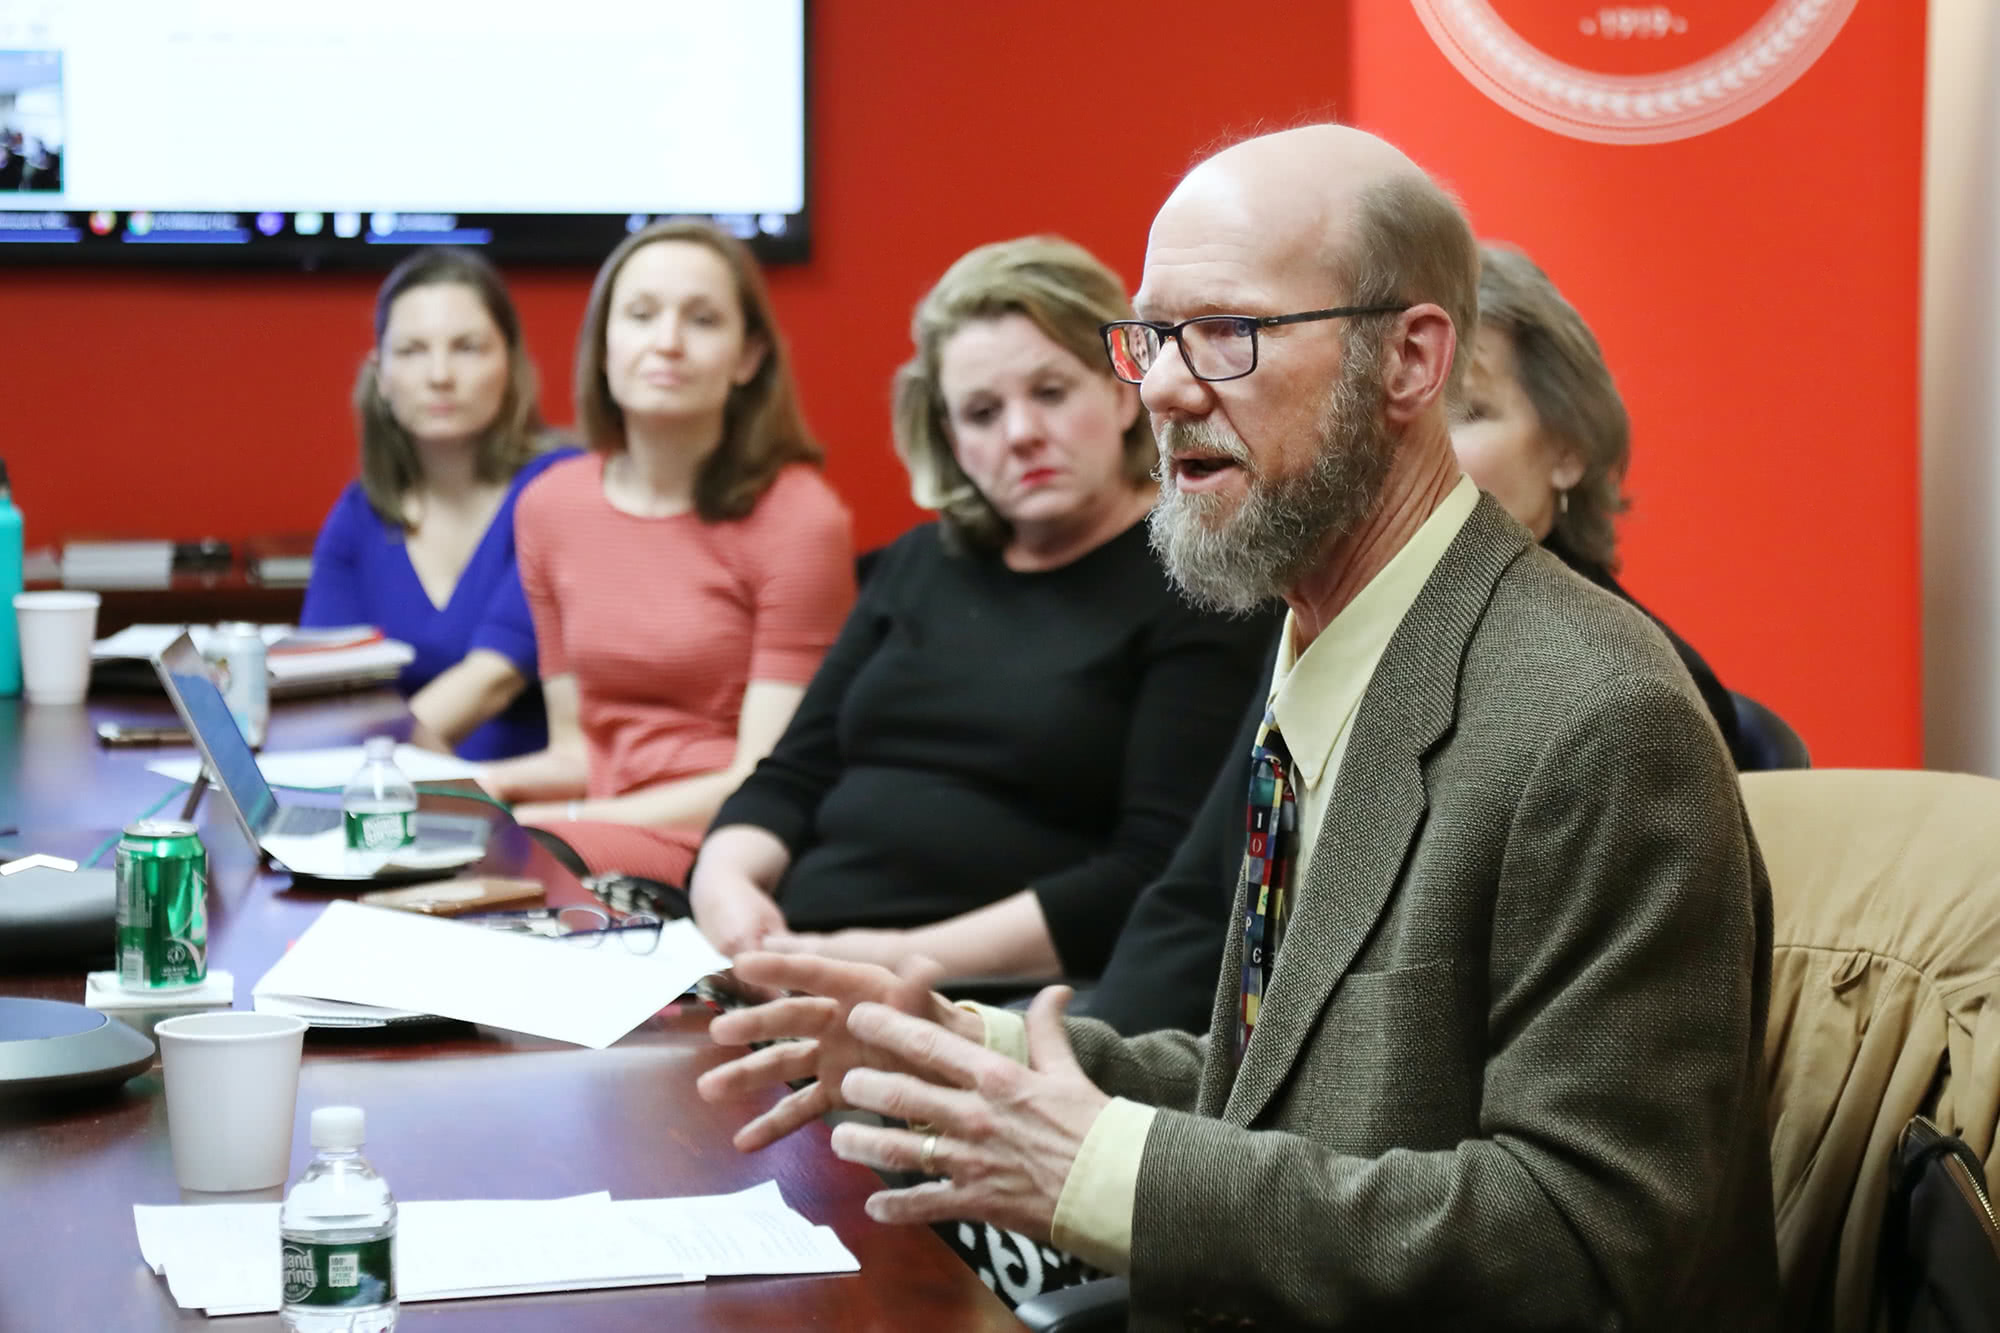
(1315, 693)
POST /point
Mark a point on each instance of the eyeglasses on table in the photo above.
(580, 926)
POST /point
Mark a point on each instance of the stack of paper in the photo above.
(147, 564)
(224, 1258)
(415, 964)
(298, 667)
(300, 661)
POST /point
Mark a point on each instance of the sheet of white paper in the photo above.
(166, 1231)
(329, 1013)
(747, 1233)
(478, 1248)
(401, 960)
(224, 1257)
(743, 1244)
(329, 770)
(328, 855)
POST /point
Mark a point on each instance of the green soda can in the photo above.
(162, 906)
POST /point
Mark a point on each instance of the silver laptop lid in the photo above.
(190, 681)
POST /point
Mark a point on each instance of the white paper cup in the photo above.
(56, 632)
(232, 1092)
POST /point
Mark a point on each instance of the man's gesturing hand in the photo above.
(812, 1034)
(1005, 1134)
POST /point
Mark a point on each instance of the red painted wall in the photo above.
(1755, 288)
(182, 404)
(1756, 292)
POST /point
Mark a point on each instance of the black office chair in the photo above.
(1768, 739)
(1094, 1307)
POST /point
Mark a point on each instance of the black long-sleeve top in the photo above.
(975, 731)
(1720, 706)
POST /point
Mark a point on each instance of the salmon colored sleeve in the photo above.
(536, 523)
(803, 548)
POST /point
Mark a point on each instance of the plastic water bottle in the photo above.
(338, 1230)
(10, 583)
(379, 807)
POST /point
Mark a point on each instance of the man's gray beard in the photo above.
(1237, 562)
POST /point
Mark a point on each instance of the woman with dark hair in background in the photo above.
(686, 575)
(422, 546)
(1007, 740)
(1541, 427)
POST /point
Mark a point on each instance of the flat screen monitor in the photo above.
(307, 134)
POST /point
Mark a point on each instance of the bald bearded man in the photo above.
(1486, 1048)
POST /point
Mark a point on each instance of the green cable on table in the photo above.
(147, 813)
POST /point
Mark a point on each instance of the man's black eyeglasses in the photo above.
(1215, 347)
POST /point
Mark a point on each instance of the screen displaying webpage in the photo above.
(529, 126)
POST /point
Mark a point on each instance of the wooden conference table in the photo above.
(454, 1112)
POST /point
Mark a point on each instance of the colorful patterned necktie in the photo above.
(1267, 866)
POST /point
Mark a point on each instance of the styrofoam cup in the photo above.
(56, 633)
(232, 1091)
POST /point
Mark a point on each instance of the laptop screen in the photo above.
(191, 682)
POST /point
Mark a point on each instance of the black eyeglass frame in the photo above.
(1255, 322)
(548, 923)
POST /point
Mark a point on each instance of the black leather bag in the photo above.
(1940, 1241)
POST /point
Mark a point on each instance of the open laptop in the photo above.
(305, 839)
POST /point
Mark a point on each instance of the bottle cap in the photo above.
(338, 1127)
(379, 747)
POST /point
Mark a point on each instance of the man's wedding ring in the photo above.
(926, 1160)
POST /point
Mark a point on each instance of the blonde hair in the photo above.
(762, 427)
(389, 463)
(1562, 370)
(1063, 290)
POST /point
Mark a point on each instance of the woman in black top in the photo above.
(1006, 742)
(1542, 428)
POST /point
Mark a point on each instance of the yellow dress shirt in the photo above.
(1314, 696)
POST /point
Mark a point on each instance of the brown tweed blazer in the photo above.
(1509, 1073)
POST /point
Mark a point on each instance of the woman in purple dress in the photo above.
(422, 546)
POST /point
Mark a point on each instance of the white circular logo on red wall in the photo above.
(1630, 74)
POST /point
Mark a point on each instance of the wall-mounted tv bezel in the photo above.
(353, 237)
(374, 240)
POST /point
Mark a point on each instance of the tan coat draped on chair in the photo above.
(1885, 1001)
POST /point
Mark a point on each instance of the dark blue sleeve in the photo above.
(507, 628)
(505, 625)
(337, 592)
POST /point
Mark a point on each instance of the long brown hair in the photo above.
(762, 427)
(389, 464)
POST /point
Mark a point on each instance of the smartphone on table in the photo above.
(453, 897)
(126, 733)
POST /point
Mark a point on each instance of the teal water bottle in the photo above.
(10, 583)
